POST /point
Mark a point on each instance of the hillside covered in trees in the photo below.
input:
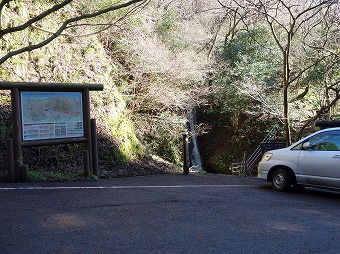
(246, 67)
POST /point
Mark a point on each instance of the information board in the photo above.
(51, 115)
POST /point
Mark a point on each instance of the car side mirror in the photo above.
(306, 145)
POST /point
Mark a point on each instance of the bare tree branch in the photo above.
(110, 24)
(293, 79)
(319, 112)
(35, 19)
(311, 8)
(63, 27)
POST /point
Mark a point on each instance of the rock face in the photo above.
(215, 146)
(224, 144)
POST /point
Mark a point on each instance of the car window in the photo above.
(298, 147)
(325, 141)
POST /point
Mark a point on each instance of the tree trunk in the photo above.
(285, 96)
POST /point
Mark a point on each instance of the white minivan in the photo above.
(312, 161)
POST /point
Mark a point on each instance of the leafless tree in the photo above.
(289, 21)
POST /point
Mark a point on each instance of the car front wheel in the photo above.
(281, 179)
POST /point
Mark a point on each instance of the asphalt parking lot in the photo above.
(167, 214)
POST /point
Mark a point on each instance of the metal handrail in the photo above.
(245, 167)
(249, 164)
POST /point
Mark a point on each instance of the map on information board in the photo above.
(51, 115)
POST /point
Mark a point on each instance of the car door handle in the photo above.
(337, 157)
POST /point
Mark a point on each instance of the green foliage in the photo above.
(225, 143)
(230, 100)
(220, 163)
(168, 31)
(5, 99)
(252, 56)
(321, 74)
(167, 148)
(57, 176)
(250, 82)
(167, 23)
(122, 129)
(4, 74)
(37, 176)
(315, 75)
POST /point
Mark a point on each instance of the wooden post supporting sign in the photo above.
(17, 135)
(94, 147)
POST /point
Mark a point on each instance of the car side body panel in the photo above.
(319, 168)
(279, 159)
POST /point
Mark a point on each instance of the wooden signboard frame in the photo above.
(19, 172)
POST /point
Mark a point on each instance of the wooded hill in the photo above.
(247, 66)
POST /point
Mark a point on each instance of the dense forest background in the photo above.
(244, 67)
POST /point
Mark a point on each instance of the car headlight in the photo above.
(267, 156)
